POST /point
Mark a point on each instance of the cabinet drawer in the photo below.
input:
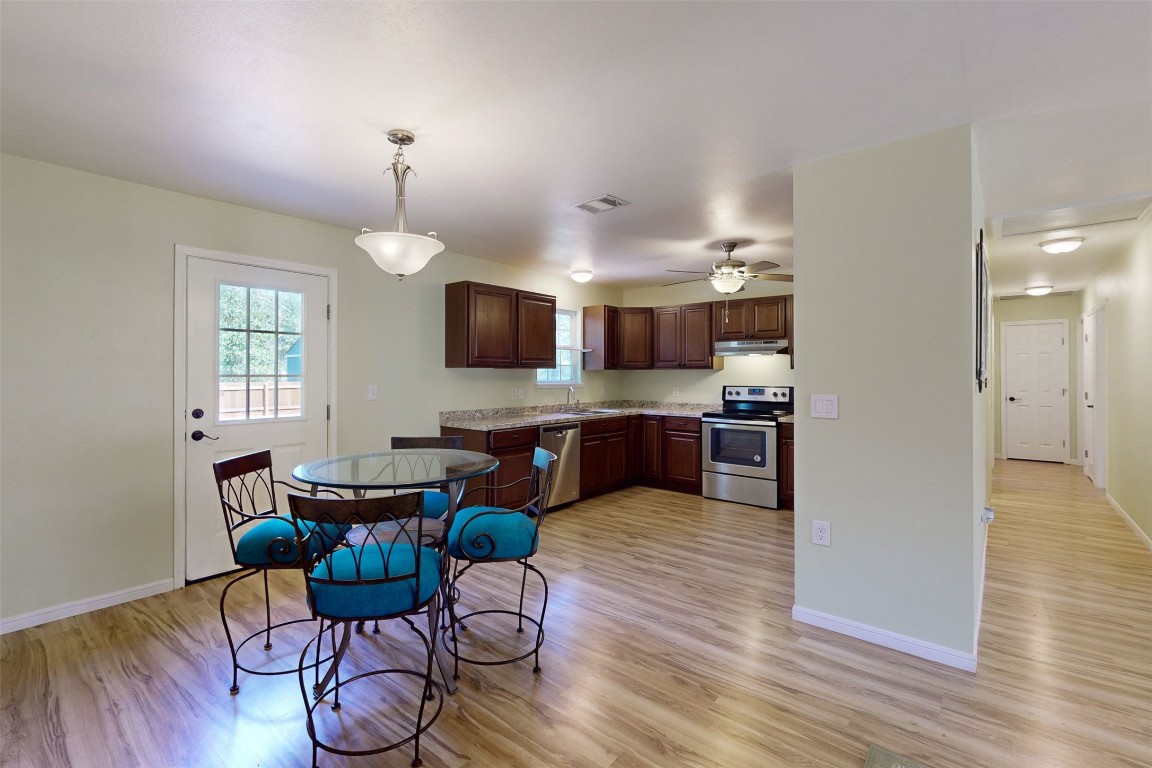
(604, 426)
(682, 423)
(510, 438)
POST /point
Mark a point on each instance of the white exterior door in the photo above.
(1035, 389)
(256, 370)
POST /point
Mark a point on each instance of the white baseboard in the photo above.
(998, 456)
(1131, 523)
(35, 618)
(910, 645)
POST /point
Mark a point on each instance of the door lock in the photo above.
(1012, 399)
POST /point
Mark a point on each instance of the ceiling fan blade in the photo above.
(763, 276)
(761, 266)
(695, 280)
(689, 271)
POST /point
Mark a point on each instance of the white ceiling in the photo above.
(695, 112)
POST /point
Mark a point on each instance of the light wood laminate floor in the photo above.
(670, 643)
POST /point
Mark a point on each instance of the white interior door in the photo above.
(1088, 395)
(257, 378)
(1035, 388)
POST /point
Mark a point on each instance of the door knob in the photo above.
(198, 436)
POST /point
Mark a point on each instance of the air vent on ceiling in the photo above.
(601, 204)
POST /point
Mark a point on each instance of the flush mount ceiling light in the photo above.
(1038, 290)
(582, 275)
(1063, 245)
(400, 252)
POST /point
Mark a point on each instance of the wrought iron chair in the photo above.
(490, 535)
(435, 502)
(261, 539)
(390, 574)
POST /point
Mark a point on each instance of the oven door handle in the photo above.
(742, 423)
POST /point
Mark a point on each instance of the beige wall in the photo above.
(87, 307)
(1038, 308)
(1124, 289)
(884, 252)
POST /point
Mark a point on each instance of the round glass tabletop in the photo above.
(407, 468)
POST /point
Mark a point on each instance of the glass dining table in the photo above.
(401, 470)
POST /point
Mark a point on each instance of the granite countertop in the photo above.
(511, 418)
(786, 419)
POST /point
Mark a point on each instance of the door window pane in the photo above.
(261, 353)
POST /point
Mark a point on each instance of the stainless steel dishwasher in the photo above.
(564, 441)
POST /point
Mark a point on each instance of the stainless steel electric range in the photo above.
(739, 445)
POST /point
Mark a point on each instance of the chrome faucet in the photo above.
(568, 400)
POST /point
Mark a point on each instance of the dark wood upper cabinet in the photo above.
(602, 337)
(635, 337)
(490, 326)
(764, 317)
(683, 336)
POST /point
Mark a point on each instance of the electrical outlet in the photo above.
(603, 390)
(675, 391)
(520, 393)
(513, 393)
(821, 533)
(373, 393)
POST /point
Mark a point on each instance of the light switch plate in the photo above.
(825, 407)
(373, 393)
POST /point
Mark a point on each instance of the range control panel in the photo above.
(758, 394)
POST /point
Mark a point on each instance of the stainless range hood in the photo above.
(757, 347)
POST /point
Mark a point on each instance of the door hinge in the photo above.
(328, 415)
(1064, 443)
(329, 311)
(1085, 453)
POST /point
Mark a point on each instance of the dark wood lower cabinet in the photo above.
(785, 465)
(515, 449)
(651, 434)
(603, 456)
(680, 465)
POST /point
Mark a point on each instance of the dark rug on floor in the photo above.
(882, 758)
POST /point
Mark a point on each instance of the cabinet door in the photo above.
(591, 465)
(602, 337)
(635, 448)
(696, 330)
(650, 437)
(768, 317)
(515, 463)
(667, 337)
(730, 319)
(682, 460)
(635, 337)
(785, 467)
(492, 326)
(615, 459)
(536, 330)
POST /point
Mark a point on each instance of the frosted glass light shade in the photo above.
(1038, 290)
(582, 275)
(399, 253)
(1063, 245)
(727, 284)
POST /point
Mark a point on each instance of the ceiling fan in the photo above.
(729, 275)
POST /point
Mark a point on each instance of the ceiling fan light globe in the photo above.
(726, 283)
(581, 275)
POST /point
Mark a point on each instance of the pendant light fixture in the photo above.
(400, 252)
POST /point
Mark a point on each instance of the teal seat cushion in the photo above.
(477, 534)
(435, 504)
(273, 542)
(354, 600)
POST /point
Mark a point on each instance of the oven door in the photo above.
(739, 448)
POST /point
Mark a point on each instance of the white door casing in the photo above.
(288, 414)
(1088, 394)
(1034, 386)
